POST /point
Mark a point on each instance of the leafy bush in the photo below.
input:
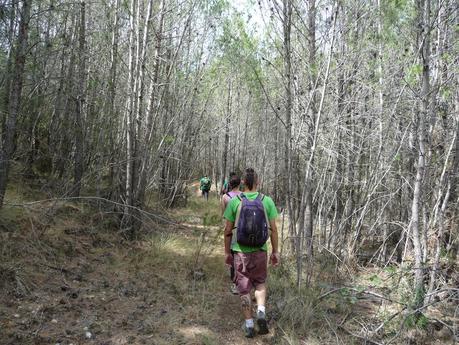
(416, 321)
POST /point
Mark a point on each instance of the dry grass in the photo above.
(77, 270)
(67, 262)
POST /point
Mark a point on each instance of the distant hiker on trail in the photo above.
(205, 184)
(249, 216)
(233, 187)
(226, 186)
(231, 191)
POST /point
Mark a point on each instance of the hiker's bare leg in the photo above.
(246, 306)
(260, 294)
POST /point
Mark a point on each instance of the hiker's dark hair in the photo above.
(235, 181)
(250, 177)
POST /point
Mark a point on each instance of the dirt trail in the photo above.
(229, 322)
(77, 285)
(226, 323)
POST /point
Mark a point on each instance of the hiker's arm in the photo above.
(274, 237)
(228, 235)
(222, 204)
(274, 258)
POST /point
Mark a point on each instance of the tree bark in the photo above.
(306, 215)
(112, 90)
(128, 217)
(287, 27)
(416, 229)
(80, 105)
(147, 133)
(227, 128)
(14, 104)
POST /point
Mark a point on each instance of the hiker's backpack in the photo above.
(206, 184)
(252, 226)
(232, 194)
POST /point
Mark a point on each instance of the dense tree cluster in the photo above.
(349, 110)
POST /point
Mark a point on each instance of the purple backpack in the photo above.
(251, 222)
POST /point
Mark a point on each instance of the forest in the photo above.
(112, 110)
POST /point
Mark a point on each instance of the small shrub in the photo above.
(294, 309)
(10, 218)
(44, 164)
(209, 340)
(416, 321)
(211, 218)
(376, 280)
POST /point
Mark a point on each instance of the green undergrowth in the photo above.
(184, 278)
(294, 308)
(301, 316)
(341, 302)
(179, 266)
(190, 272)
(200, 211)
(10, 218)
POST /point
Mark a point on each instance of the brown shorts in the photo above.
(251, 270)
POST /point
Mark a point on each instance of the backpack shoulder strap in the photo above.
(238, 213)
(261, 196)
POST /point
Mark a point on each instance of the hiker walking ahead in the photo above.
(248, 217)
(233, 187)
(230, 191)
(225, 187)
(205, 184)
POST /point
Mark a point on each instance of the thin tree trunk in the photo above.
(111, 96)
(151, 111)
(7, 78)
(80, 104)
(306, 215)
(8, 136)
(439, 213)
(38, 109)
(416, 230)
(227, 128)
(130, 125)
(287, 27)
(276, 164)
(340, 204)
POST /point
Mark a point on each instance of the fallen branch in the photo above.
(447, 326)
(60, 269)
(359, 291)
(333, 330)
(367, 341)
(402, 324)
(98, 199)
(376, 330)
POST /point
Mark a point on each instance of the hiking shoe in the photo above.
(233, 289)
(262, 324)
(249, 332)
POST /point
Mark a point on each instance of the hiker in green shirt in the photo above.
(233, 192)
(205, 184)
(224, 188)
(250, 262)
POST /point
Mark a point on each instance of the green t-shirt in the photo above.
(230, 215)
(205, 183)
